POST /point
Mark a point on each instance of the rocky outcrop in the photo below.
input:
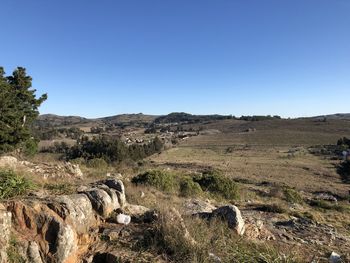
(45, 170)
(60, 229)
(5, 230)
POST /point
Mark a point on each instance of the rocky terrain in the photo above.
(221, 190)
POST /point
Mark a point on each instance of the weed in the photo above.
(291, 195)
(97, 163)
(12, 184)
(13, 255)
(60, 188)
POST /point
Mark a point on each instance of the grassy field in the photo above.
(276, 152)
(265, 161)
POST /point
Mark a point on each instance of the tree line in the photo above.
(112, 150)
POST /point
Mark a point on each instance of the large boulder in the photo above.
(103, 199)
(232, 215)
(119, 188)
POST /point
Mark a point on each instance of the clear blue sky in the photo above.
(99, 58)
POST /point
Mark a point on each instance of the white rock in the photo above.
(233, 217)
(123, 219)
(334, 258)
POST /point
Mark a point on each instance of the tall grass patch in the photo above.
(12, 184)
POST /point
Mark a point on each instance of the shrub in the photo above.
(30, 147)
(344, 171)
(271, 208)
(344, 141)
(216, 183)
(97, 163)
(161, 180)
(189, 188)
(292, 195)
(324, 205)
(12, 185)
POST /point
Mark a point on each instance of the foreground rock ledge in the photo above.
(59, 229)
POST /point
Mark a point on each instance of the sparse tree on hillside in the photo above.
(18, 109)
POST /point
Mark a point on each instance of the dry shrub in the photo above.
(192, 240)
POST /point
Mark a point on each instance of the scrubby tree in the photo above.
(18, 109)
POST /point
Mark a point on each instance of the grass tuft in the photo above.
(12, 184)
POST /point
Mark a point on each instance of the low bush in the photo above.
(271, 208)
(324, 205)
(97, 163)
(344, 171)
(30, 147)
(292, 195)
(159, 179)
(12, 185)
(217, 184)
(189, 188)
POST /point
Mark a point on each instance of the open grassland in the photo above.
(275, 172)
(276, 152)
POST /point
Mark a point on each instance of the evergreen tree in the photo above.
(18, 109)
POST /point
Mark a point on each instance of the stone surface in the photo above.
(176, 219)
(8, 162)
(104, 203)
(75, 209)
(118, 186)
(195, 206)
(33, 253)
(58, 229)
(232, 215)
(66, 244)
(335, 258)
(5, 230)
(45, 170)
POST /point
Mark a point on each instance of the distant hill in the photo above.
(337, 116)
(57, 121)
(129, 118)
(145, 120)
(181, 117)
